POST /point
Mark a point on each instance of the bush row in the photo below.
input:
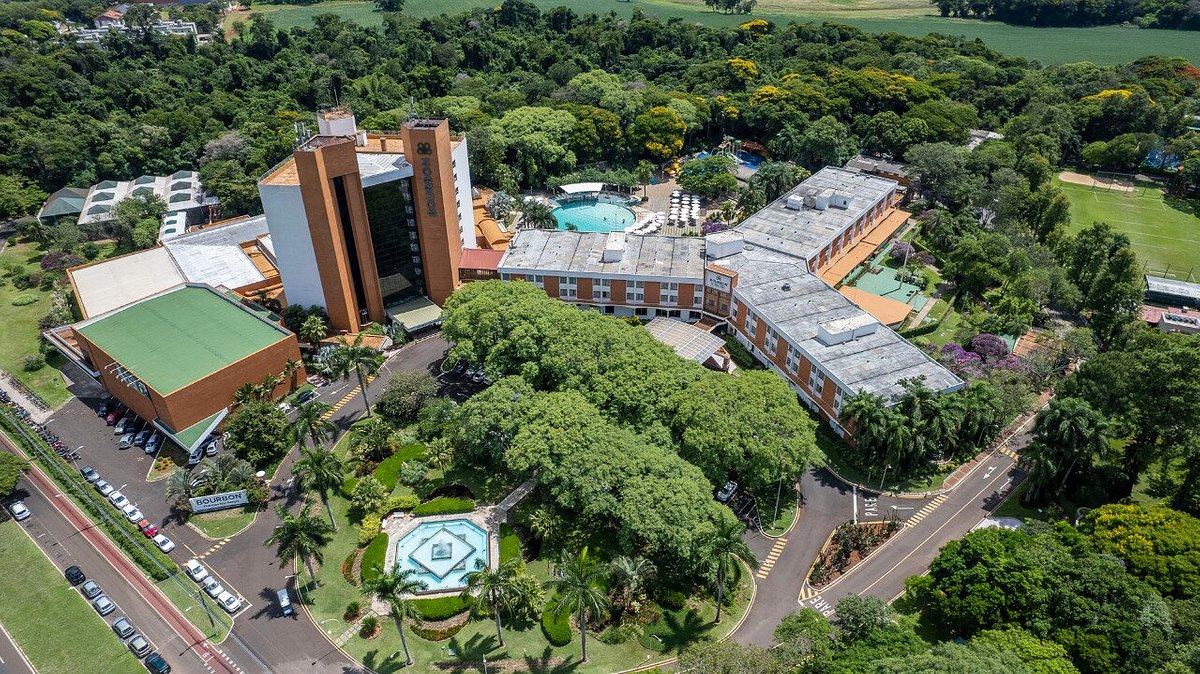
(373, 557)
(510, 545)
(556, 630)
(442, 608)
(920, 330)
(444, 506)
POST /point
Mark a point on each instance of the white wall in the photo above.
(292, 241)
(462, 180)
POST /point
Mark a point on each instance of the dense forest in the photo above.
(539, 93)
(1182, 14)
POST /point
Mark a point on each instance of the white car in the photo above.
(118, 499)
(229, 602)
(212, 587)
(165, 544)
(195, 571)
(19, 511)
(104, 487)
(132, 513)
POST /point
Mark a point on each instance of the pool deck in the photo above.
(399, 524)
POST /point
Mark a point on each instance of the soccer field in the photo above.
(1161, 234)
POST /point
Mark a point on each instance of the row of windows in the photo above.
(635, 291)
(816, 378)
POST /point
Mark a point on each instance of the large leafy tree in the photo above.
(11, 469)
(1159, 545)
(258, 432)
(405, 394)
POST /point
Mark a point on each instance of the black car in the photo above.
(156, 664)
(142, 437)
(104, 409)
(74, 575)
(305, 397)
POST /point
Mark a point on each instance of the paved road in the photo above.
(262, 640)
(12, 660)
(68, 537)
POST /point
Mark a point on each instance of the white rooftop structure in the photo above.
(807, 218)
(686, 339)
(114, 283)
(213, 256)
(534, 251)
(582, 188)
(377, 168)
(181, 191)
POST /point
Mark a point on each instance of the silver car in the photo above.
(212, 587)
(139, 645)
(18, 510)
(103, 605)
(104, 487)
(123, 627)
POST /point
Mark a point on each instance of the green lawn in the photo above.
(1105, 44)
(787, 511)
(1164, 232)
(223, 523)
(39, 609)
(21, 333)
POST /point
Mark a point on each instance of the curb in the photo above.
(795, 518)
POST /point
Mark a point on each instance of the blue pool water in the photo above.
(442, 553)
(747, 159)
(593, 216)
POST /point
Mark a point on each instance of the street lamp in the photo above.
(884, 478)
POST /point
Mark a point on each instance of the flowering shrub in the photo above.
(989, 346)
(902, 251)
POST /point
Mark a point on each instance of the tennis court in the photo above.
(1163, 236)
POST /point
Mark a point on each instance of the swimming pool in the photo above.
(442, 553)
(593, 216)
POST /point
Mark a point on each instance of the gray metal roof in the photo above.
(802, 233)
(1174, 288)
(538, 250)
(215, 256)
(688, 340)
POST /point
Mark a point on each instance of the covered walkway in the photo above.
(886, 310)
(848, 260)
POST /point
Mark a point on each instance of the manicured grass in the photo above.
(187, 597)
(787, 511)
(21, 333)
(1104, 44)
(1013, 507)
(1164, 230)
(950, 320)
(223, 523)
(41, 610)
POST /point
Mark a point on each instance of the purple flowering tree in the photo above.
(990, 347)
(713, 226)
(902, 251)
(1011, 362)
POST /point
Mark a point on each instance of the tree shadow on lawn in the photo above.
(676, 630)
(1184, 205)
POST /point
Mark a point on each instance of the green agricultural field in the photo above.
(1164, 231)
(1105, 44)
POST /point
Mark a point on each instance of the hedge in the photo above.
(510, 545)
(388, 470)
(368, 529)
(119, 530)
(372, 557)
(444, 505)
(556, 630)
(442, 608)
(348, 486)
(401, 502)
(920, 330)
(429, 634)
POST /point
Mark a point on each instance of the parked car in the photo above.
(156, 664)
(165, 544)
(104, 409)
(305, 397)
(212, 587)
(147, 528)
(139, 645)
(195, 570)
(285, 602)
(123, 627)
(118, 499)
(89, 473)
(132, 513)
(726, 492)
(210, 447)
(123, 426)
(126, 441)
(142, 437)
(91, 589)
(103, 605)
(104, 487)
(195, 455)
(74, 575)
(153, 443)
(229, 602)
(114, 416)
(18, 511)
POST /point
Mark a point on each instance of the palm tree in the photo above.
(440, 453)
(310, 421)
(245, 393)
(179, 487)
(369, 439)
(788, 143)
(355, 358)
(538, 214)
(869, 417)
(1075, 429)
(218, 470)
(630, 574)
(290, 368)
(320, 471)
(394, 587)
(313, 330)
(493, 586)
(542, 521)
(267, 388)
(726, 545)
(577, 584)
(300, 535)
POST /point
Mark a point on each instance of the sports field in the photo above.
(1164, 231)
(1104, 44)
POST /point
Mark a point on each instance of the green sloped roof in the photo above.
(178, 337)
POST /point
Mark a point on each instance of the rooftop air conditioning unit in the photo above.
(795, 202)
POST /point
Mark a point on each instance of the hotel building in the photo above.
(769, 279)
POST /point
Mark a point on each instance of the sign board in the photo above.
(229, 499)
(717, 281)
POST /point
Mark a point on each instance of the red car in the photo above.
(115, 416)
(147, 528)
